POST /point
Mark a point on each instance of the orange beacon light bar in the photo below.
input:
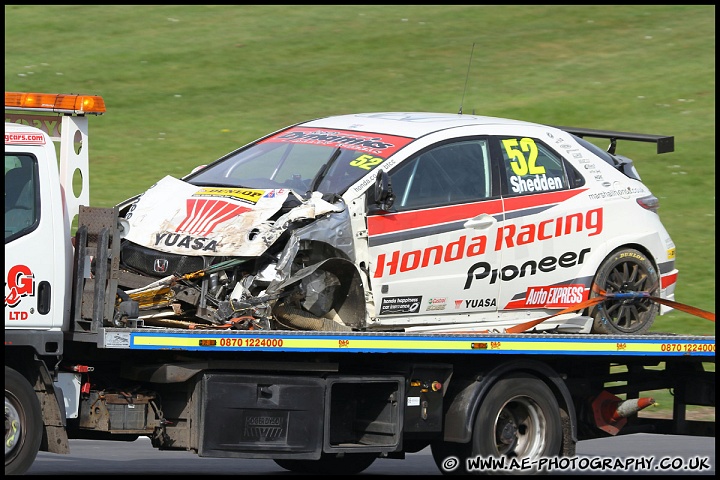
(58, 103)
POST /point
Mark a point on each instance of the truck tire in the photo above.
(350, 464)
(626, 270)
(518, 418)
(23, 423)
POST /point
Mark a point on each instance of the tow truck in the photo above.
(79, 363)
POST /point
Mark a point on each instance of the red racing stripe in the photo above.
(666, 280)
(396, 222)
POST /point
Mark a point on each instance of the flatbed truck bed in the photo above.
(655, 345)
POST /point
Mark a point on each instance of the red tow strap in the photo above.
(602, 296)
(528, 325)
(676, 305)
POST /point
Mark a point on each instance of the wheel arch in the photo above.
(349, 298)
(20, 359)
(640, 248)
(589, 269)
(465, 403)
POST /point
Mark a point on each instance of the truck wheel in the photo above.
(23, 423)
(518, 418)
(350, 464)
(626, 270)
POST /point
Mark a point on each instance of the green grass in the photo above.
(186, 84)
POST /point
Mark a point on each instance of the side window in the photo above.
(20, 202)
(452, 173)
(531, 167)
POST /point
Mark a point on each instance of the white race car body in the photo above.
(414, 221)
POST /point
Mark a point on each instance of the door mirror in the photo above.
(384, 196)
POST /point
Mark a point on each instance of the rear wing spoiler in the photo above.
(664, 143)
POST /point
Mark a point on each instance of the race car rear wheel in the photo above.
(626, 270)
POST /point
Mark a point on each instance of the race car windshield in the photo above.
(274, 165)
(301, 159)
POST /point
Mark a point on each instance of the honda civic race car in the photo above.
(403, 222)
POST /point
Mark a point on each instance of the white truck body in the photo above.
(43, 216)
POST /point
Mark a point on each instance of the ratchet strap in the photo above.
(522, 327)
(676, 305)
(602, 296)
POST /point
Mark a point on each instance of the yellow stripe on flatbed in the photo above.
(361, 342)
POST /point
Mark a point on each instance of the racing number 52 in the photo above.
(366, 161)
(521, 165)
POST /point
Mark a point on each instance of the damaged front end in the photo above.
(240, 258)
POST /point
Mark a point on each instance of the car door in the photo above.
(547, 230)
(446, 207)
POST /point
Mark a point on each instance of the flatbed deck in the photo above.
(662, 345)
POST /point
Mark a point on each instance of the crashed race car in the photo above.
(425, 222)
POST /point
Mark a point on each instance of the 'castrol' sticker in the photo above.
(24, 139)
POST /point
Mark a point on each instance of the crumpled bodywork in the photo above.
(259, 238)
(177, 217)
(261, 250)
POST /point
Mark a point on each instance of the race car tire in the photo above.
(518, 418)
(23, 423)
(349, 464)
(625, 270)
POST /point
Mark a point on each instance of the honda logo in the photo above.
(160, 265)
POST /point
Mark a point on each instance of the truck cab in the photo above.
(35, 285)
(40, 203)
(46, 152)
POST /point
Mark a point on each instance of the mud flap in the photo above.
(276, 417)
